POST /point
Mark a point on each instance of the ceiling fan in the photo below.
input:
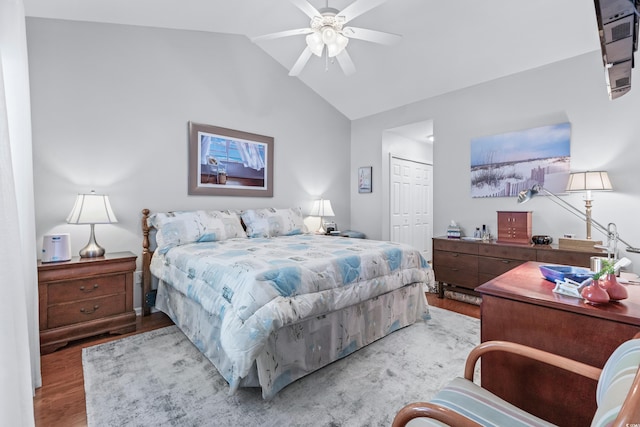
(327, 30)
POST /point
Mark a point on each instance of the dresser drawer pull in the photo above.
(506, 261)
(85, 290)
(455, 255)
(95, 307)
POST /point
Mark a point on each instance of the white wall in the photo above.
(110, 107)
(605, 136)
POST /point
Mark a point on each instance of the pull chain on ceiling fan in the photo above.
(327, 33)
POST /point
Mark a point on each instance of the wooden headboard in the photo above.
(147, 253)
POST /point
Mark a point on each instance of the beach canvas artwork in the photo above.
(503, 165)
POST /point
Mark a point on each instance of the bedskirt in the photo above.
(298, 349)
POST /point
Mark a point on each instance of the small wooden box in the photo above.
(514, 227)
(578, 244)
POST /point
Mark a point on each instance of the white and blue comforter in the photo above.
(256, 286)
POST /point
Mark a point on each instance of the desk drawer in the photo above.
(75, 290)
(86, 310)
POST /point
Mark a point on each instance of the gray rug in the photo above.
(160, 379)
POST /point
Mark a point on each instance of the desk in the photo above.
(520, 306)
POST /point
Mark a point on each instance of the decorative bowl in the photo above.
(561, 272)
(541, 240)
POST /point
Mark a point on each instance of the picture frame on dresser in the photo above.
(228, 162)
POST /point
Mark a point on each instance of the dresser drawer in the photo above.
(74, 290)
(456, 260)
(508, 252)
(493, 267)
(455, 245)
(83, 311)
(578, 259)
(457, 276)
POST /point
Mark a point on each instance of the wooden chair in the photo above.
(466, 404)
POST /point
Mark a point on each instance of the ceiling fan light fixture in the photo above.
(337, 46)
(315, 43)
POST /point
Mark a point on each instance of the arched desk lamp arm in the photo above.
(610, 231)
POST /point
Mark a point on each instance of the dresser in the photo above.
(462, 265)
(520, 306)
(85, 297)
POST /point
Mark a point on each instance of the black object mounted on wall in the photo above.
(618, 31)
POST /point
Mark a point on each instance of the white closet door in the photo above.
(411, 205)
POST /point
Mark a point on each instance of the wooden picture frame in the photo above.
(364, 179)
(227, 162)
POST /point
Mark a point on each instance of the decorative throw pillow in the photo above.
(180, 228)
(271, 222)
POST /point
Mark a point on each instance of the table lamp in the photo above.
(322, 208)
(92, 209)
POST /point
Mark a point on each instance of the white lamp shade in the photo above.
(315, 43)
(92, 209)
(587, 181)
(322, 208)
(338, 45)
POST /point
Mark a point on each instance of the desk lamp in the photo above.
(610, 231)
(588, 181)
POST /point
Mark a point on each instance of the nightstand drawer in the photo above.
(74, 290)
(83, 311)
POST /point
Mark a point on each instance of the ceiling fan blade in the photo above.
(306, 7)
(301, 62)
(346, 63)
(371, 35)
(296, 32)
(359, 7)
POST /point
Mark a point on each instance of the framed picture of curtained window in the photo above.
(227, 162)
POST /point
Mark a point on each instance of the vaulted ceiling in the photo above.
(446, 45)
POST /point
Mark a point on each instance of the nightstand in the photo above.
(85, 297)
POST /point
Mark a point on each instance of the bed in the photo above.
(268, 303)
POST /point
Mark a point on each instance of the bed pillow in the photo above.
(180, 228)
(270, 222)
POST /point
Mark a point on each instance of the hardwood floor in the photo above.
(60, 402)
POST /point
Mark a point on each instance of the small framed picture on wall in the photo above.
(364, 179)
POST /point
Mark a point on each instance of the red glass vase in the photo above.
(614, 289)
(594, 293)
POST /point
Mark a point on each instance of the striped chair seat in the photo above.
(618, 385)
(480, 405)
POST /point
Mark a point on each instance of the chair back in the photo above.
(618, 392)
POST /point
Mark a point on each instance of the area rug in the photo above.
(160, 379)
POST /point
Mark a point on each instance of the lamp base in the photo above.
(92, 249)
